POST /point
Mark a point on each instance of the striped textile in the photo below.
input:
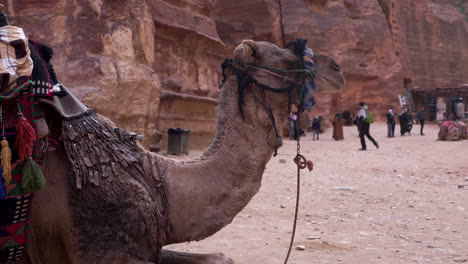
(15, 203)
(14, 227)
(309, 82)
(16, 64)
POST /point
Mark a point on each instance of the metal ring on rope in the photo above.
(300, 161)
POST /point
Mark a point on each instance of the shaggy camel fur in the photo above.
(204, 193)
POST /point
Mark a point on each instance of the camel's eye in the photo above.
(292, 64)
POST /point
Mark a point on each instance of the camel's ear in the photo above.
(248, 51)
(250, 48)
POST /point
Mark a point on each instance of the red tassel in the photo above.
(25, 136)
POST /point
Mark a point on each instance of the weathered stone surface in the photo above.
(152, 65)
(197, 113)
(118, 57)
(377, 43)
(431, 40)
(247, 19)
(100, 55)
(355, 33)
(188, 52)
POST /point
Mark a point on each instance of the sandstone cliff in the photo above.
(151, 65)
(430, 39)
(102, 53)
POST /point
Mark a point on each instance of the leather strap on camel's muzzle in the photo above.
(245, 80)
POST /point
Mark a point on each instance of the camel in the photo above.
(111, 219)
(452, 131)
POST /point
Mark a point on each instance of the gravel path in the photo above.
(406, 202)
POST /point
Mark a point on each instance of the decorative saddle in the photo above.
(24, 77)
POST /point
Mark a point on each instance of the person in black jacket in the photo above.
(422, 119)
(410, 122)
(390, 123)
(404, 119)
(315, 128)
(364, 127)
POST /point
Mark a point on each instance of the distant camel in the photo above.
(452, 131)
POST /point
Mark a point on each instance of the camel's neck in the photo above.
(206, 193)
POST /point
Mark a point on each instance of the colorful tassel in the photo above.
(33, 180)
(5, 156)
(2, 187)
(25, 136)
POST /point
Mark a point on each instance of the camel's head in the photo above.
(270, 79)
(269, 65)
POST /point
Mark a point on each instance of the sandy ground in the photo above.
(406, 202)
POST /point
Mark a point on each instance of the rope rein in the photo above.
(301, 163)
(267, 107)
(299, 160)
(240, 69)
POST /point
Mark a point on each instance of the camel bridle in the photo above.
(245, 80)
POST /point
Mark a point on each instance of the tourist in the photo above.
(410, 122)
(404, 119)
(390, 123)
(338, 128)
(291, 127)
(364, 120)
(315, 128)
(422, 119)
(356, 122)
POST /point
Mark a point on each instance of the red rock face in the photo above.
(187, 54)
(152, 65)
(431, 39)
(100, 55)
(355, 33)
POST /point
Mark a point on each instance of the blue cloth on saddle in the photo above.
(309, 82)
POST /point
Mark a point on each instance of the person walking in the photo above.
(422, 119)
(404, 120)
(315, 128)
(364, 121)
(338, 128)
(390, 123)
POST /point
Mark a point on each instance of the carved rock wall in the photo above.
(188, 52)
(431, 40)
(154, 64)
(380, 44)
(354, 32)
(147, 65)
(100, 54)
